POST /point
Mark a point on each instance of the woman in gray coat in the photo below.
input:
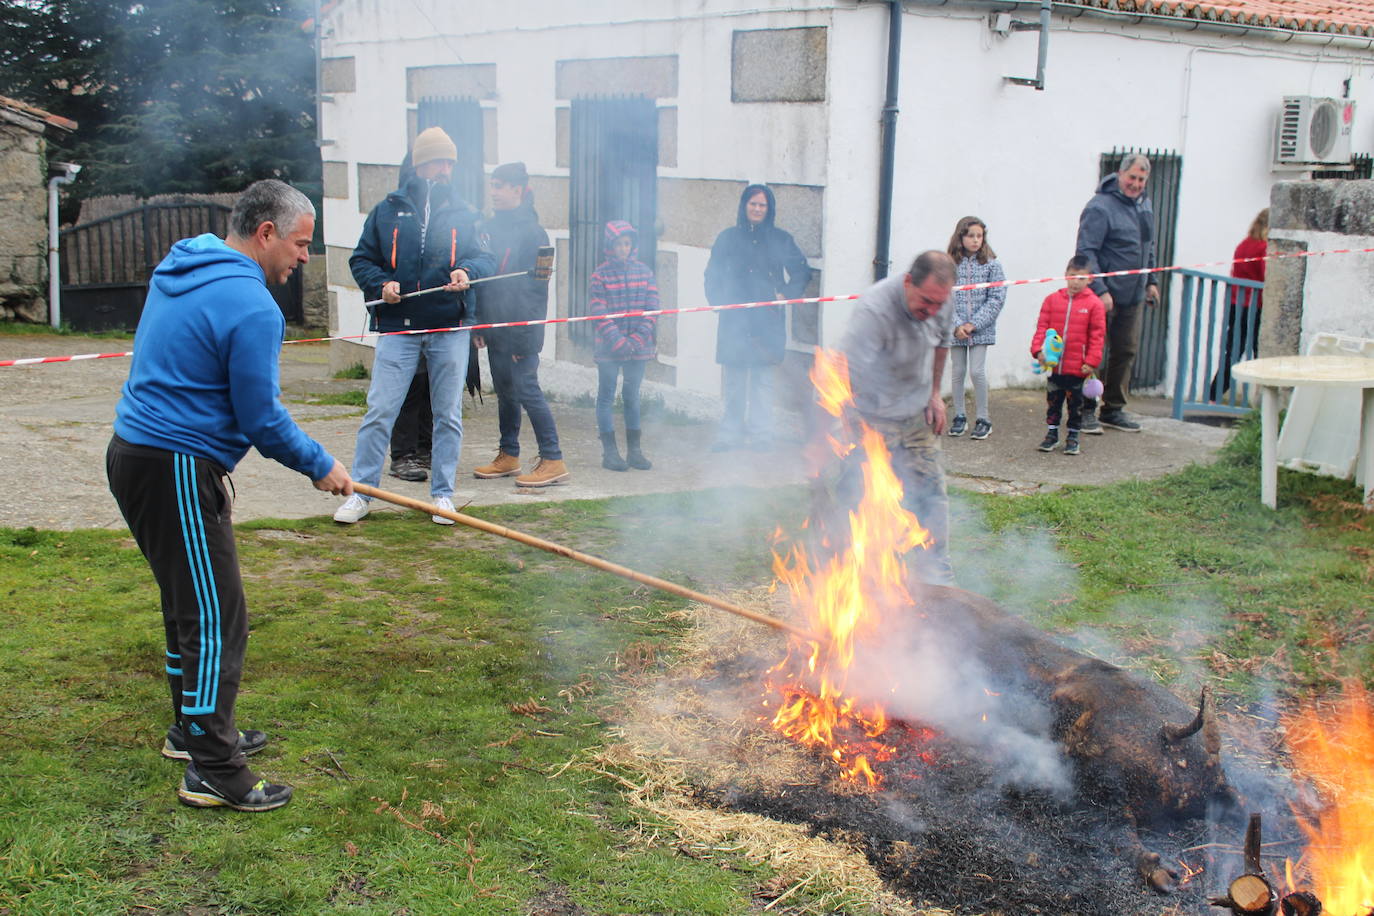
(975, 321)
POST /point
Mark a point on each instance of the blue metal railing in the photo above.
(1218, 327)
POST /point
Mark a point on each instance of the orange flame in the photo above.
(1336, 752)
(843, 597)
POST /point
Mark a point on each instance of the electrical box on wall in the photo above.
(1313, 131)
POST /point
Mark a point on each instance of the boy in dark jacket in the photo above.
(622, 283)
(515, 237)
(1078, 316)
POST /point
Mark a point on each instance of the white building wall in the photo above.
(968, 141)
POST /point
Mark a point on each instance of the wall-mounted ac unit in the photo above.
(1314, 131)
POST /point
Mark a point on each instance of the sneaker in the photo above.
(1090, 426)
(354, 509)
(981, 429)
(408, 469)
(1117, 419)
(1071, 446)
(958, 425)
(502, 466)
(1049, 442)
(422, 460)
(198, 793)
(443, 502)
(174, 745)
(546, 473)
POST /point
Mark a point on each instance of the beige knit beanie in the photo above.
(431, 144)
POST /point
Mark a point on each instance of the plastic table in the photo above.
(1274, 372)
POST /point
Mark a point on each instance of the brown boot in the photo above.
(504, 466)
(546, 473)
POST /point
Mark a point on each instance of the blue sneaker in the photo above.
(263, 796)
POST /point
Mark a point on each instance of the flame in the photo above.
(1335, 751)
(842, 597)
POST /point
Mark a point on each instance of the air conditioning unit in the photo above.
(1314, 131)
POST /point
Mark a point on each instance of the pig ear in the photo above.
(1171, 733)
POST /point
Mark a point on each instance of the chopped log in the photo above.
(1301, 903)
(1253, 842)
(1248, 895)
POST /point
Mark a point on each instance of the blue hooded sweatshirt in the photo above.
(204, 375)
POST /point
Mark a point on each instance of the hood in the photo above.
(614, 230)
(742, 220)
(192, 263)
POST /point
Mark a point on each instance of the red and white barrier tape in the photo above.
(39, 360)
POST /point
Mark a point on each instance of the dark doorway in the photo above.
(461, 119)
(1166, 172)
(613, 175)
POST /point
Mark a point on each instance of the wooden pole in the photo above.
(604, 565)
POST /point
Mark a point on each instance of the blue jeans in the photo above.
(516, 380)
(748, 396)
(392, 369)
(607, 372)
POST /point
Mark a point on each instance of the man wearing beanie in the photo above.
(420, 237)
(515, 237)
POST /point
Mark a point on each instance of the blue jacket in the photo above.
(980, 306)
(1118, 233)
(389, 249)
(204, 376)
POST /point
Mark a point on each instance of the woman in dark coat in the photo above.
(752, 261)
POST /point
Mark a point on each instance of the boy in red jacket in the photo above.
(1077, 314)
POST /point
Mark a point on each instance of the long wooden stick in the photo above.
(605, 565)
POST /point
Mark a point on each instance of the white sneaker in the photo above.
(443, 502)
(353, 509)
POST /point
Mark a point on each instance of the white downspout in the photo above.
(54, 272)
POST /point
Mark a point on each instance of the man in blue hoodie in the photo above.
(203, 389)
(1117, 232)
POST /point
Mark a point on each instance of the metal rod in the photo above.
(436, 289)
(604, 565)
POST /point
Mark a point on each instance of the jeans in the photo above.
(748, 396)
(1123, 340)
(607, 372)
(516, 380)
(411, 436)
(974, 360)
(1063, 388)
(392, 371)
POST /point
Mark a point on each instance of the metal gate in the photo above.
(1166, 173)
(106, 263)
(613, 175)
(461, 119)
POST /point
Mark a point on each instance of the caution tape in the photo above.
(572, 319)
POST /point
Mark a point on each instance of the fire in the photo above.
(843, 596)
(1336, 752)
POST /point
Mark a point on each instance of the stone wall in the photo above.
(1304, 296)
(23, 225)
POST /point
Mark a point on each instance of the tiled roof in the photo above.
(1338, 17)
(33, 112)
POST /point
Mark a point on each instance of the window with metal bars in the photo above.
(461, 119)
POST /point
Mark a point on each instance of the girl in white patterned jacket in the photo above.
(975, 321)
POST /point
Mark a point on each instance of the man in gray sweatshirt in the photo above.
(896, 345)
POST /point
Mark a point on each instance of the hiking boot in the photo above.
(263, 796)
(503, 466)
(443, 502)
(958, 425)
(422, 460)
(546, 473)
(355, 508)
(1117, 419)
(1071, 445)
(1050, 441)
(408, 469)
(981, 429)
(1090, 426)
(610, 455)
(633, 456)
(174, 745)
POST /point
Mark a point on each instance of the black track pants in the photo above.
(178, 509)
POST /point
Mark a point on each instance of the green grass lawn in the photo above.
(433, 692)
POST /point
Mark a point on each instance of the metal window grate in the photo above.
(612, 175)
(461, 119)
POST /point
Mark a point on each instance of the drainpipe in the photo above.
(887, 167)
(1043, 27)
(69, 170)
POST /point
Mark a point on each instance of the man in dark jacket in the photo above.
(1116, 232)
(422, 236)
(752, 261)
(514, 235)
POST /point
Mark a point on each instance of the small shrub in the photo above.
(357, 370)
